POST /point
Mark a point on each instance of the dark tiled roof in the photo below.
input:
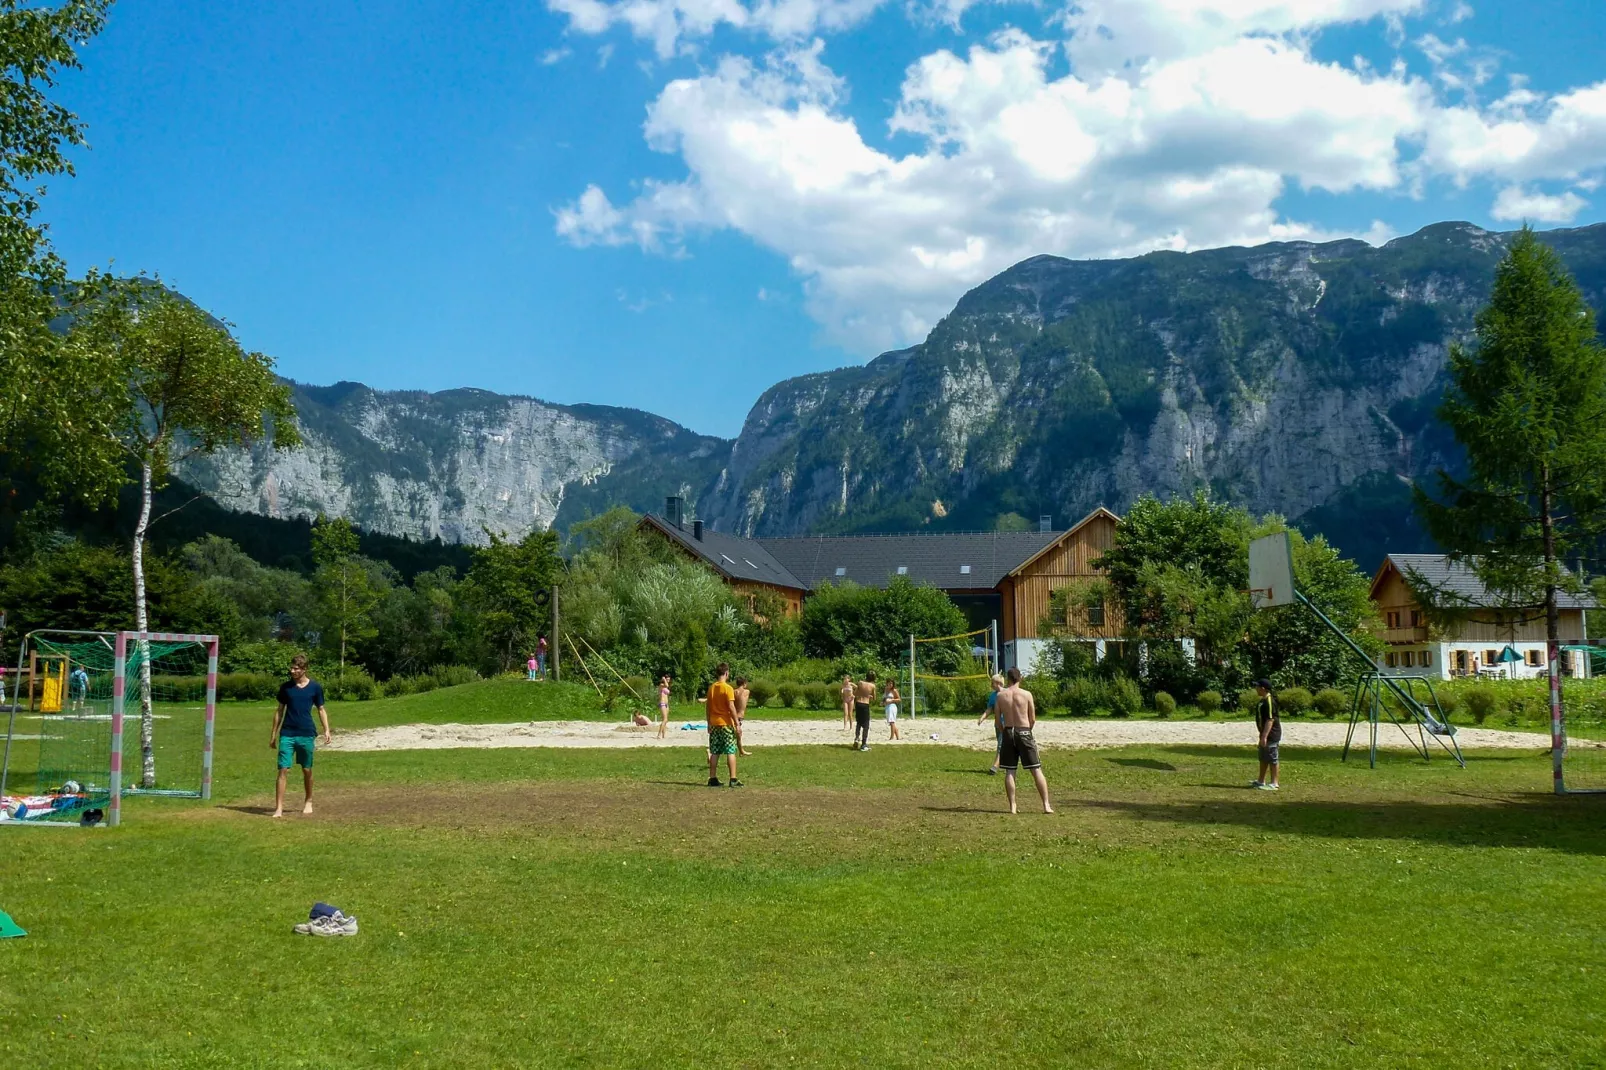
(733, 557)
(939, 559)
(1457, 580)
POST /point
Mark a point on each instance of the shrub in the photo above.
(818, 696)
(790, 693)
(1208, 701)
(1247, 699)
(1293, 701)
(644, 688)
(970, 696)
(1449, 701)
(397, 686)
(1164, 704)
(759, 693)
(351, 685)
(1330, 702)
(1123, 696)
(936, 695)
(1481, 702)
(245, 686)
(804, 670)
(1045, 691)
(452, 675)
(1082, 696)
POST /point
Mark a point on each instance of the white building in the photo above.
(1490, 642)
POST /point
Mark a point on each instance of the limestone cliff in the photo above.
(459, 463)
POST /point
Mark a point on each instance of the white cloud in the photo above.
(1516, 204)
(668, 24)
(554, 56)
(1179, 125)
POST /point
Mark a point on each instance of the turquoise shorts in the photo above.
(296, 750)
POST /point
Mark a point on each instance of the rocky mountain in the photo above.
(460, 463)
(1294, 377)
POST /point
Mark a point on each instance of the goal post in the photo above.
(74, 751)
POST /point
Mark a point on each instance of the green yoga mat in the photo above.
(9, 927)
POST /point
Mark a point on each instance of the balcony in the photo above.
(1406, 635)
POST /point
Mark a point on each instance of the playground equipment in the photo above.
(1377, 696)
(65, 746)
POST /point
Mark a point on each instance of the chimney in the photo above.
(1045, 522)
(672, 512)
(697, 530)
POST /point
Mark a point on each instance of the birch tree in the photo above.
(191, 389)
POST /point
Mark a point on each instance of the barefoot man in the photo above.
(1018, 712)
(293, 731)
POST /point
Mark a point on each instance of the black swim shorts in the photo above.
(1018, 748)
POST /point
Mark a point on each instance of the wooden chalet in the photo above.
(1491, 641)
(1002, 576)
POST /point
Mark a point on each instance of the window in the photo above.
(728, 560)
(751, 565)
(1393, 619)
(1491, 656)
(1391, 659)
(903, 570)
(1408, 658)
(841, 570)
(1427, 658)
(1095, 615)
(1460, 661)
(1532, 657)
(964, 570)
(1416, 618)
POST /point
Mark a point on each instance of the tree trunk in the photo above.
(345, 612)
(1558, 732)
(147, 722)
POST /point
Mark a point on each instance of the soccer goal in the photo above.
(937, 667)
(69, 738)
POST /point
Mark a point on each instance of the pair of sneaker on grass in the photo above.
(713, 782)
(327, 921)
(1261, 785)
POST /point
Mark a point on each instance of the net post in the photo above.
(211, 716)
(114, 813)
(912, 703)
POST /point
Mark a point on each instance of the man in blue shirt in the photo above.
(293, 732)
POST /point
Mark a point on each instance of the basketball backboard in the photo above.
(1271, 571)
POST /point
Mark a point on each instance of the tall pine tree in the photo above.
(1528, 404)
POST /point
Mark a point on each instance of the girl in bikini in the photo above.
(663, 704)
(890, 701)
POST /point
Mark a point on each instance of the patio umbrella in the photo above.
(1509, 655)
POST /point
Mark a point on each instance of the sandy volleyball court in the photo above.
(946, 732)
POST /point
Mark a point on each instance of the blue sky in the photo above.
(673, 204)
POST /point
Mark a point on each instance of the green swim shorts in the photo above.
(296, 750)
(721, 739)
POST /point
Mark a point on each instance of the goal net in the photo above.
(950, 672)
(100, 715)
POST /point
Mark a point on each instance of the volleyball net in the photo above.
(951, 672)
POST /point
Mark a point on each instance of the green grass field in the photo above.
(602, 908)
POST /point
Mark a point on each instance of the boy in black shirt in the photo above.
(1270, 730)
(294, 735)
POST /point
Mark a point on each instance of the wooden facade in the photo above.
(1069, 560)
(1404, 621)
(790, 596)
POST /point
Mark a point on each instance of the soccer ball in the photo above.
(72, 787)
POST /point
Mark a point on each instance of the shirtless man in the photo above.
(742, 695)
(847, 702)
(863, 695)
(1018, 712)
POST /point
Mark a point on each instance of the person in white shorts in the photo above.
(891, 700)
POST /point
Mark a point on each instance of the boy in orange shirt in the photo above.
(722, 739)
